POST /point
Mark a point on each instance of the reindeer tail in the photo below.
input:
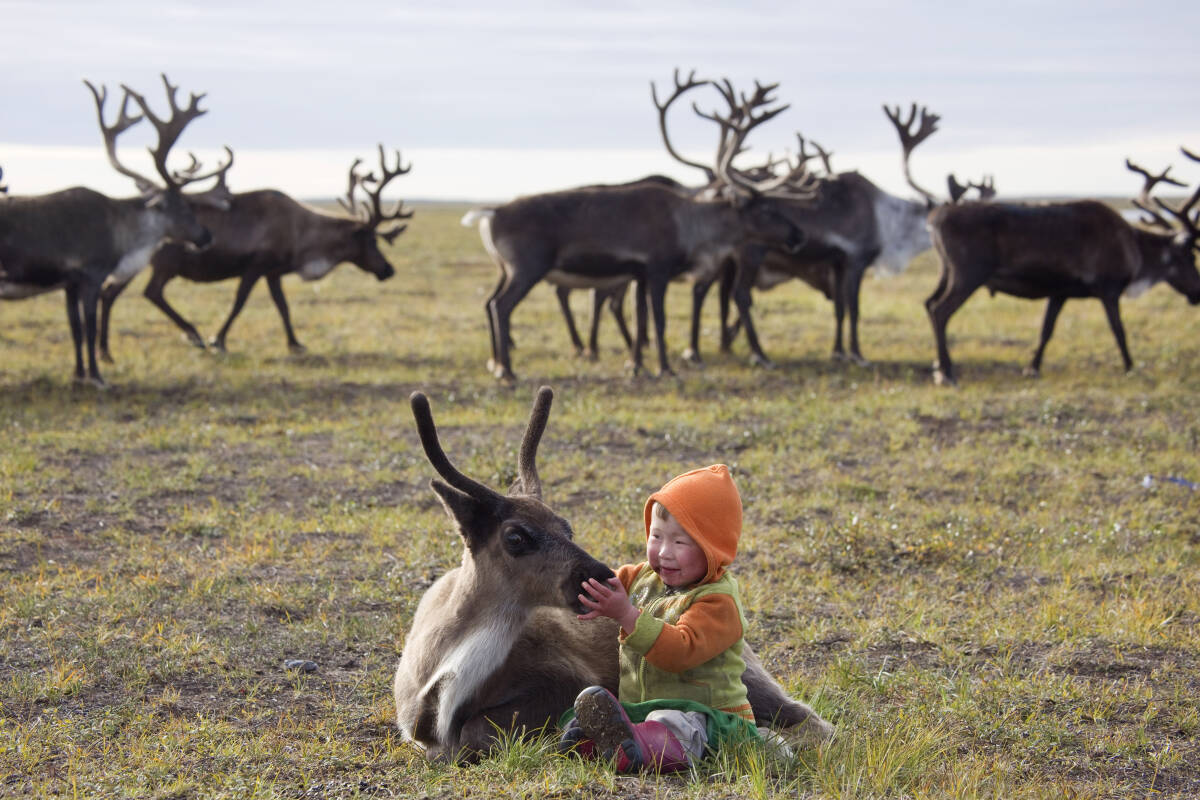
(774, 708)
(472, 217)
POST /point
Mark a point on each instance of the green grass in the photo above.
(973, 584)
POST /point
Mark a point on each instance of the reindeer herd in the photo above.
(742, 227)
(207, 236)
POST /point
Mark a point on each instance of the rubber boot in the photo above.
(573, 741)
(632, 747)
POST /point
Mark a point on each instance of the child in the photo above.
(681, 635)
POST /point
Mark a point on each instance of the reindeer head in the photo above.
(1179, 225)
(514, 542)
(364, 249)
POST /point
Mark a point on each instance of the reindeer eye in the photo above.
(518, 541)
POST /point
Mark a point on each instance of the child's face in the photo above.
(673, 554)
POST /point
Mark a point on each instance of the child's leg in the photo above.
(689, 727)
(644, 745)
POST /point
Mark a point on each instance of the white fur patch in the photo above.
(469, 664)
(1138, 288)
(316, 268)
(475, 215)
(11, 290)
(131, 264)
(903, 232)
(573, 281)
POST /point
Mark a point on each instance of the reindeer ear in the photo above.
(474, 517)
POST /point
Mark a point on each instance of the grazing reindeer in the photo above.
(646, 232)
(266, 234)
(850, 226)
(1058, 251)
(77, 238)
(495, 644)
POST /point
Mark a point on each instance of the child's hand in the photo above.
(608, 600)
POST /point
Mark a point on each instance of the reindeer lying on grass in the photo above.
(495, 645)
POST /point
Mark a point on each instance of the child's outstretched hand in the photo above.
(608, 599)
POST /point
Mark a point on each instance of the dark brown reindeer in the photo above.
(644, 232)
(495, 645)
(1060, 251)
(266, 234)
(850, 226)
(77, 238)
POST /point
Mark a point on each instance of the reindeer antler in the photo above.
(427, 430)
(744, 116)
(910, 138)
(1183, 214)
(169, 131)
(681, 87)
(527, 473)
(377, 215)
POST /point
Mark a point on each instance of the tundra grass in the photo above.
(991, 590)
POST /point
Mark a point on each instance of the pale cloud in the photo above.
(1023, 87)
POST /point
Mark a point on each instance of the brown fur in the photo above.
(1057, 251)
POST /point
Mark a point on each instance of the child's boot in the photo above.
(645, 745)
(573, 740)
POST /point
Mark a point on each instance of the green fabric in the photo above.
(717, 683)
(723, 728)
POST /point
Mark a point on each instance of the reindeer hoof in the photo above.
(1031, 372)
(105, 357)
(761, 361)
(941, 378)
(95, 381)
(297, 349)
(692, 357)
(218, 345)
(196, 341)
(857, 359)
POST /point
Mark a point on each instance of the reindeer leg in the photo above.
(744, 278)
(641, 335)
(852, 285)
(72, 291)
(276, 287)
(699, 291)
(154, 293)
(563, 293)
(940, 311)
(89, 297)
(839, 310)
(1113, 310)
(501, 308)
(728, 332)
(243, 291)
(108, 295)
(1052, 308)
(487, 310)
(658, 294)
(616, 305)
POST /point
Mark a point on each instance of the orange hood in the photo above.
(707, 504)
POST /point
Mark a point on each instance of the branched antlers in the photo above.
(372, 213)
(745, 114)
(169, 131)
(910, 138)
(1186, 215)
(986, 188)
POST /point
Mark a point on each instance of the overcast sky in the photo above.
(493, 99)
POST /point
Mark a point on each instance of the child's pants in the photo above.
(691, 729)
